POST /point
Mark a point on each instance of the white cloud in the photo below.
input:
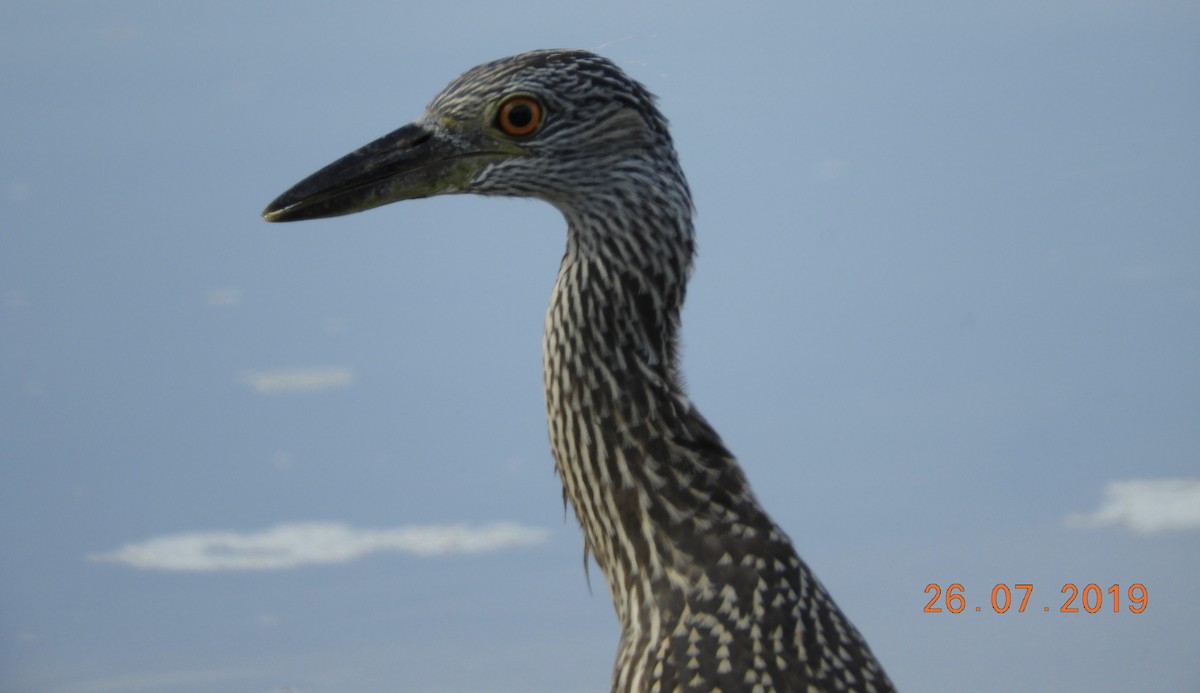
(158, 681)
(1154, 505)
(282, 460)
(832, 169)
(15, 300)
(298, 380)
(18, 191)
(224, 298)
(293, 545)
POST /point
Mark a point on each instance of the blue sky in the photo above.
(946, 312)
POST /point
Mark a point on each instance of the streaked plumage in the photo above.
(709, 592)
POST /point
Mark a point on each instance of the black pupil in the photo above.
(520, 116)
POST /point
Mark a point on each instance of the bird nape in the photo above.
(709, 592)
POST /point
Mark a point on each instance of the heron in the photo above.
(709, 592)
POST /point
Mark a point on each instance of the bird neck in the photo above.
(651, 482)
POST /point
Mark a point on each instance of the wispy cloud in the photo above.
(224, 298)
(165, 680)
(832, 168)
(1149, 505)
(15, 300)
(298, 380)
(298, 544)
(18, 191)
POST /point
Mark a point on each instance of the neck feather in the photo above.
(657, 494)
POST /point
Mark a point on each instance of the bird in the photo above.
(710, 594)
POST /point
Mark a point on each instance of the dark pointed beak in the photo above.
(410, 163)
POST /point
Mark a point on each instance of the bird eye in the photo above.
(519, 116)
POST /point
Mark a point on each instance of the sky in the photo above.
(946, 312)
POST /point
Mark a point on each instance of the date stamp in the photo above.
(1091, 599)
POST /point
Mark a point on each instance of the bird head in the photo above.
(562, 126)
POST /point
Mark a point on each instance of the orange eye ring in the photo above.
(519, 116)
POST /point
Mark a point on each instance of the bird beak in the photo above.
(410, 163)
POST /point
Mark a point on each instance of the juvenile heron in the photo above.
(709, 593)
